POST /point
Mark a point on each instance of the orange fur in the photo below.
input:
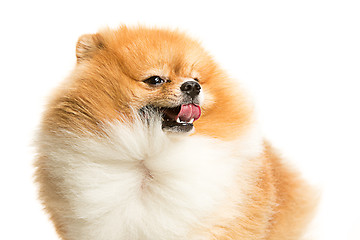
(280, 204)
(108, 81)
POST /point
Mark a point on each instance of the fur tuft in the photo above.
(137, 182)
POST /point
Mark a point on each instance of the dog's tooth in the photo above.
(178, 120)
(191, 120)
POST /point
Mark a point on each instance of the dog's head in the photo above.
(128, 70)
(147, 68)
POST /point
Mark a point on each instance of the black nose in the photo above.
(191, 88)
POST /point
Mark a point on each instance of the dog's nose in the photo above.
(191, 88)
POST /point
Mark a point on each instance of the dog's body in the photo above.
(119, 157)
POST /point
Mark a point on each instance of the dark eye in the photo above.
(154, 80)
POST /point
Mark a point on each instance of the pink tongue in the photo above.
(189, 111)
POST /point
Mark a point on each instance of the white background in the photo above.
(299, 59)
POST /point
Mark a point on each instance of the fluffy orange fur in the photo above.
(279, 203)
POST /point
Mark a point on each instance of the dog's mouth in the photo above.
(181, 118)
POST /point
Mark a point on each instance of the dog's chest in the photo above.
(139, 183)
(154, 193)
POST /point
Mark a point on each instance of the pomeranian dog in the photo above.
(149, 139)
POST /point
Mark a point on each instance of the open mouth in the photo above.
(181, 118)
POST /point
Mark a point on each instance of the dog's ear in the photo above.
(87, 45)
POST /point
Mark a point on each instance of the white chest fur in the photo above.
(139, 183)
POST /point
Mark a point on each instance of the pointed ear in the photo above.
(87, 45)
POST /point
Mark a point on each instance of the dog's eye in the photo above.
(154, 81)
